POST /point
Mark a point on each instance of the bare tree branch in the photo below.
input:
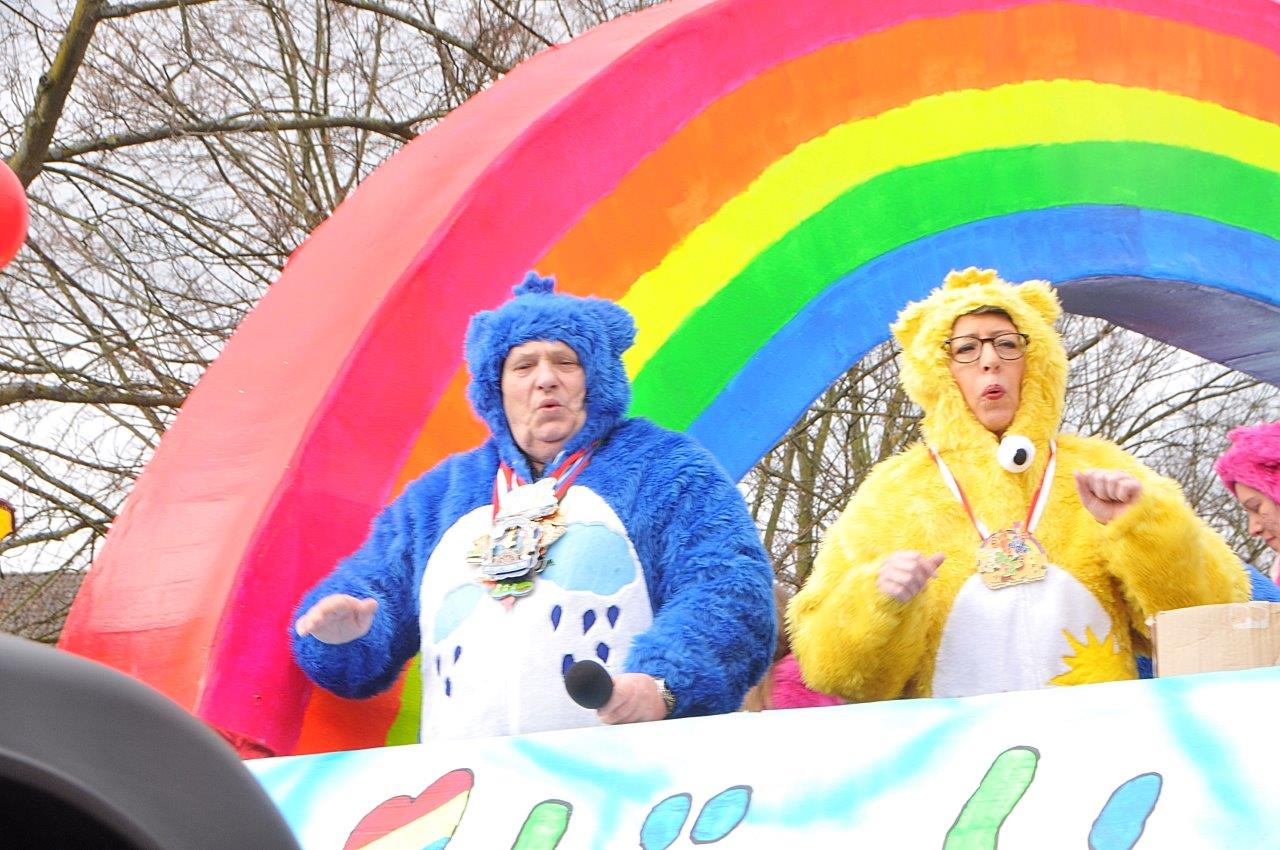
(30, 391)
(124, 10)
(435, 32)
(52, 90)
(402, 130)
(522, 23)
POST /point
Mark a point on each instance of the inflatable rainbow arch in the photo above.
(763, 185)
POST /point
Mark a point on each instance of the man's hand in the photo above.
(635, 699)
(1107, 493)
(903, 574)
(338, 618)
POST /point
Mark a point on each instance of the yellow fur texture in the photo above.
(853, 640)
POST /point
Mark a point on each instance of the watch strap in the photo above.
(668, 698)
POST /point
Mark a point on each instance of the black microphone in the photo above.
(588, 684)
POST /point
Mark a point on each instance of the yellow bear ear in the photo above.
(1041, 297)
(972, 276)
(908, 325)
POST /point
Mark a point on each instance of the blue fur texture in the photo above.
(709, 580)
(1261, 588)
(597, 330)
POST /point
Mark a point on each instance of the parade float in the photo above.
(763, 185)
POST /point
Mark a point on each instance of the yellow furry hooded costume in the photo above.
(957, 637)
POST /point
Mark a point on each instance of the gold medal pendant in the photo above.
(526, 521)
(514, 551)
(1009, 557)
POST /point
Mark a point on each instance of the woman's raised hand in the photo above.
(1107, 493)
(903, 574)
(337, 618)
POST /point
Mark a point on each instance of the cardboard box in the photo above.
(1209, 638)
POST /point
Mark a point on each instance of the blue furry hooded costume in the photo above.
(660, 570)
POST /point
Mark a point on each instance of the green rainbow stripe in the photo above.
(911, 203)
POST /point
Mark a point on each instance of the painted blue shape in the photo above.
(565, 664)
(665, 821)
(448, 686)
(556, 611)
(721, 814)
(456, 606)
(1120, 824)
(1091, 245)
(457, 653)
(437, 845)
(602, 651)
(588, 620)
(612, 614)
(591, 557)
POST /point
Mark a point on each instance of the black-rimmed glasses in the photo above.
(967, 349)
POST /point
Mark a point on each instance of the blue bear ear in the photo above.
(535, 284)
(477, 338)
(620, 327)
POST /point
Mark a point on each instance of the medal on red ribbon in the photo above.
(1013, 555)
(526, 521)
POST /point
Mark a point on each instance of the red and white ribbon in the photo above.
(1038, 501)
(562, 478)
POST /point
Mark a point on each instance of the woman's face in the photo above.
(1264, 515)
(991, 386)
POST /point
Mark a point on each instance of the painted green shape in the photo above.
(897, 208)
(978, 826)
(408, 723)
(544, 827)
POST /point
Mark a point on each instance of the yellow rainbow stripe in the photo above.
(932, 128)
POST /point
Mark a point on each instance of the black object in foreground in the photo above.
(92, 759)
(588, 684)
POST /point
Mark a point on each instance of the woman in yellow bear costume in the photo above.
(897, 604)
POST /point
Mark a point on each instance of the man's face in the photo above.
(544, 394)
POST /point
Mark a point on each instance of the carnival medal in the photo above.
(526, 522)
(1010, 556)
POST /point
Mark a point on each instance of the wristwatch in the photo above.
(668, 698)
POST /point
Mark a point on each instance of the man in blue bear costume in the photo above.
(573, 533)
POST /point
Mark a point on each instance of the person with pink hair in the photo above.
(783, 686)
(1250, 469)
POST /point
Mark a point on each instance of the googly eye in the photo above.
(1016, 453)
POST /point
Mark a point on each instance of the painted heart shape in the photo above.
(413, 823)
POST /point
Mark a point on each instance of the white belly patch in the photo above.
(494, 667)
(1016, 638)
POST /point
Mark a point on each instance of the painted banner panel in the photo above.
(1153, 764)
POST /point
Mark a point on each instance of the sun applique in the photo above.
(1093, 660)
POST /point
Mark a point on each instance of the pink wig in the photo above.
(1253, 460)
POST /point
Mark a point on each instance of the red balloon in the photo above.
(13, 214)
